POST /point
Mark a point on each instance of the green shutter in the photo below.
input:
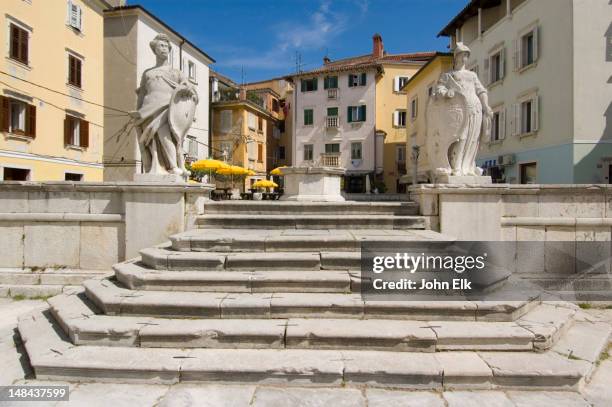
(332, 111)
(350, 82)
(302, 85)
(316, 83)
(363, 79)
(349, 119)
(362, 113)
(335, 82)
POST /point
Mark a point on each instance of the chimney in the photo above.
(326, 60)
(378, 49)
(243, 93)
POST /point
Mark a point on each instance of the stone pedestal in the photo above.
(159, 179)
(463, 179)
(315, 184)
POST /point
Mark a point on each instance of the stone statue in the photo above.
(166, 108)
(458, 115)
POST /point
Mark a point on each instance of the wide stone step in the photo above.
(54, 357)
(311, 208)
(164, 259)
(79, 319)
(115, 300)
(242, 221)
(292, 240)
(136, 276)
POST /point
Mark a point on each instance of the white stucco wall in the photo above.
(347, 133)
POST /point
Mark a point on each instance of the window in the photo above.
(330, 82)
(74, 71)
(309, 85)
(399, 118)
(399, 82)
(76, 132)
(16, 174)
(281, 152)
(332, 148)
(17, 117)
(252, 121)
(498, 125)
(191, 70)
(332, 111)
(226, 150)
(356, 151)
(71, 176)
(75, 16)
(400, 154)
(260, 123)
(308, 152)
(496, 64)
(19, 44)
(527, 49)
(308, 117)
(356, 114)
(275, 106)
(226, 120)
(260, 152)
(529, 173)
(414, 108)
(192, 147)
(526, 116)
(357, 80)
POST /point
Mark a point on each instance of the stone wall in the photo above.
(90, 225)
(518, 212)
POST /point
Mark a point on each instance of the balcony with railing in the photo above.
(332, 94)
(330, 159)
(332, 122)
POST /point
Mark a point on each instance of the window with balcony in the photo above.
(75, 65)
(357, 80)
(356, 151)
(332, 148)
(19, 43)
(76, 132)
(17, 117)
(308, 152)
(356, 114)
(309, 85)
(330, 82)
(308, 117)
(332, 120)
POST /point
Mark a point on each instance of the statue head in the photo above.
(161, 45)
(461, 54)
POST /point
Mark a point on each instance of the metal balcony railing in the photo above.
(332, 122)
(332, 94)
(330, 159)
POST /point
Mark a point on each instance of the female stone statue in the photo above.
(166, 106)
(457, 115)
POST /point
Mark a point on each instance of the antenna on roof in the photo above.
(242, 75)
(298, 62)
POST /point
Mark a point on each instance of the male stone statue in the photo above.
(166, 107)
(458, 115)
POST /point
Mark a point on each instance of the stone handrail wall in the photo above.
(90, 225)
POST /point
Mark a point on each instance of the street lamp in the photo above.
(415, 160)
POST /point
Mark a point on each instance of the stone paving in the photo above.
(15, 371)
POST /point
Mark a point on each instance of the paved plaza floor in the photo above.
(15, 371)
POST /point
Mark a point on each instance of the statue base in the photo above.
(463, 179)
(159, 178)
(312, 184)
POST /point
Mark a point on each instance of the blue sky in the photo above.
(262, 37)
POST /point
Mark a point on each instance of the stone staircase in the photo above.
(282, 306)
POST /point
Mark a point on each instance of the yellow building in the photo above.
(417, 91)
(239, 128)
(391, 117)
(51, 89)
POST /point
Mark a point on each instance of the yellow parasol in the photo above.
(265, 183)
(208, 165)
(277, 171)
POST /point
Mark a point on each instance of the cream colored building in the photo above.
(52, 90)
(417, 92)
(547, 65)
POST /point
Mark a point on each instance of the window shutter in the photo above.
(67, 131)
(84, 128)
(350, 81)
(78, 63)
(487, 71)
(516, 119)
(316, 83)
(396, 84)
(326, 82)
(4, 114)
(362, 113)
(31, 121)
(23, 46)
(79, 18)
(535, 113)
(68, 12)
(502, 123)
(302, 85)
(516, 59)
(536, 43)
(363, 79)
(502, 63)
(396, 118)
(349, 114)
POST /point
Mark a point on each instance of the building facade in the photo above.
(336, 118)
(128, 31)
(51, 90)
(417, 91)
(546, 64)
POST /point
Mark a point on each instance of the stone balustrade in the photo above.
(90, 225)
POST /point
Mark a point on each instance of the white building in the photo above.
(548, 68)
(127, 54)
